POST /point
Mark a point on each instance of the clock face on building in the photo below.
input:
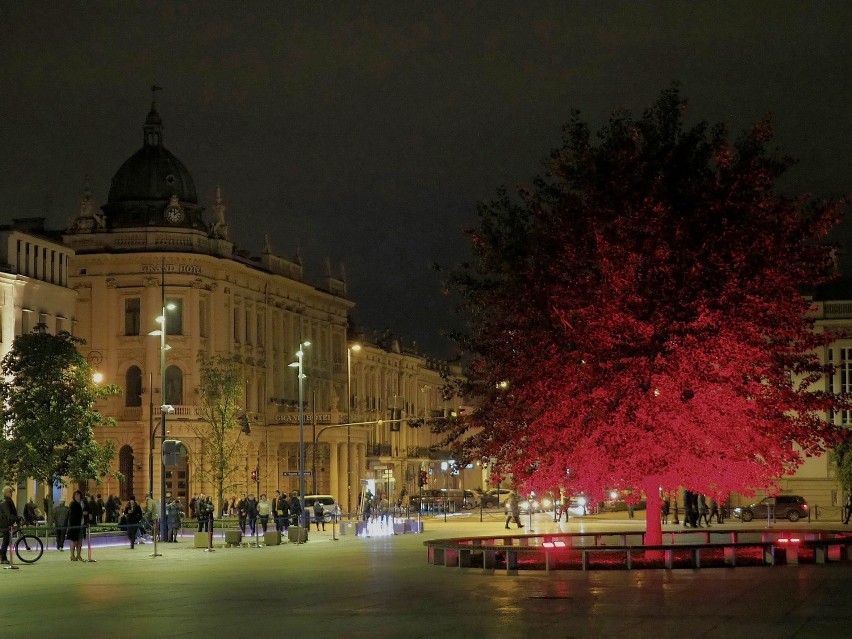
(173, 214)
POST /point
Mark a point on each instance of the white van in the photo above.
(329, 506)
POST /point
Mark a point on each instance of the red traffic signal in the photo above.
(424, 478)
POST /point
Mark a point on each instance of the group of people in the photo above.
(696, 508)
(282, 510)
(376, 507)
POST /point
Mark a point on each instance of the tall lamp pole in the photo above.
(349, 349)
(165, 409)
(299, 364)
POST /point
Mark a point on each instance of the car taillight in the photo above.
(805, 506)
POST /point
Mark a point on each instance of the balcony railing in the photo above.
(378, 450)
(418, 452)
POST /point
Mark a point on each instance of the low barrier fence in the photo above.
(688, 549)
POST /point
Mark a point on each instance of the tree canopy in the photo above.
(48, 409)
(636, 316)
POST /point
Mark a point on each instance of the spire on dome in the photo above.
(153, 128)
(220, 226)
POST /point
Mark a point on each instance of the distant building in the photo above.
(33, 290)
(151, 243)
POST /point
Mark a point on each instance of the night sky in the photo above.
(367, 134)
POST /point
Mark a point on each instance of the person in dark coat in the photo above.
(295, 509)
(133, 515)
(59, 519)
(8, 517)
(251, 513)
(77, 517)
(242, 513)
(109, 509)
(30, 512)
(283, 513)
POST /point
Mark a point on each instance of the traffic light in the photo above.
(423, 478)
(254, 475)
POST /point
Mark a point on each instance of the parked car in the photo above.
(790, 507)
(329, 506)
(495, 497)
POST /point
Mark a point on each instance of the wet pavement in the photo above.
(383, 587)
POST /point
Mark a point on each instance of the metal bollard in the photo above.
(156, 536)
(89, 559)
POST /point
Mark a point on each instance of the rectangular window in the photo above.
(202, 317)
(248, 326)
(237, 325)
(259, 329)
(174, 317)
(842, 383)
(132, 316)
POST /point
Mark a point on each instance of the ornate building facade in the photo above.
(150, 247)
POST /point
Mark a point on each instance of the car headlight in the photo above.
(581, 501)
(525, 504)
(547, 503)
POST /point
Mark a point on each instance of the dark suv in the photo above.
(790, 507)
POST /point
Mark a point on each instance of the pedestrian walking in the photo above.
(242, 513)
(264, 509)
(251, 513)
(848, 506)
(666, 509)
(59, 519)
(703, 511)
(283, 510)
(513, 510)
(295, 509)
(132, 516)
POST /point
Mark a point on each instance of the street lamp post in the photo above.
(299, 364)
(165, 409)
(349, 350)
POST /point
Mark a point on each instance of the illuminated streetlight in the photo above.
(299, 364)
(349, 350)
(97, 377)
(165, 409)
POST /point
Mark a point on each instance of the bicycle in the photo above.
(28, 547)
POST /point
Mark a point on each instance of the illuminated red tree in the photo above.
(637, 319)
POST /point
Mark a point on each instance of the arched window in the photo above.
(174, 386)
(125, 466)
(133, 387)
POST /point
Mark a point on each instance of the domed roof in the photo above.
(152, 173)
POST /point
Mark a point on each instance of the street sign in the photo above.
(296, 473)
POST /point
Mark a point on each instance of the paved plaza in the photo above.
(383, 587)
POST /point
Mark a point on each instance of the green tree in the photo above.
(221, 393)
(48, 407)
(842, 456)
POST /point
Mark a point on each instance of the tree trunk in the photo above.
(653, 512)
